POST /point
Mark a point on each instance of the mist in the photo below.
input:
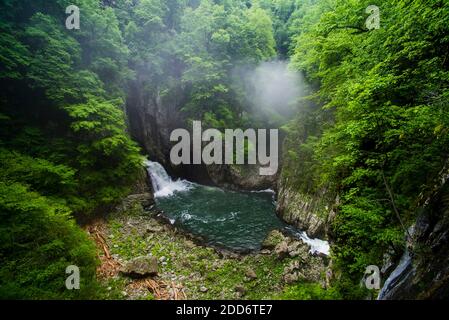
(272, 91)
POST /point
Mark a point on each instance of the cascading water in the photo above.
(316, 245)
(399, 276)
(234, 220)
(162, 183)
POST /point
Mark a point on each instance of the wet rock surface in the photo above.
(273, 238)
(423, 272)
(240, 177)
(308, 213)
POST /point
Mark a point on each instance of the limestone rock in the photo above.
(141, 267)
(273, 239)
(240, 289)
(312, 214)
(291, 278)
(251, 274)
(240, 177)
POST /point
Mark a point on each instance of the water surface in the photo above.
(234, 220)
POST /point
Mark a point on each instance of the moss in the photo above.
(308, 291)
(191, 265)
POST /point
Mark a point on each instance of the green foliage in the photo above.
(309, 291)
(386, 91)
(64, 148)
(49, 179)
(38, 241)
(63, 142)
(59, 107)
(196, 49)
(106, 158)
(372, 130)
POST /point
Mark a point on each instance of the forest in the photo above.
(368, 134)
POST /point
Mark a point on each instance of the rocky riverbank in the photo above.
(142, 257)
(306, 212)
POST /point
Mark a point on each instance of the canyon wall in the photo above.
(423, 272)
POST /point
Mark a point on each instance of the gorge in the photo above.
(357, 99)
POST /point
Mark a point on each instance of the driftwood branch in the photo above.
(393, 203)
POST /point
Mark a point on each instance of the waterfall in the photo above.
(163, 184)
(236, 220)
(316, 245)
(397, 278)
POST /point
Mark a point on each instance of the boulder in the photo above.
(240, 289)
(273, 239)
(281, 250)
(298, 249)
(292, 273)
(293, 266)
(251, 274)
(286, 246)
(145, 199)
(291, 278)
(141, 267)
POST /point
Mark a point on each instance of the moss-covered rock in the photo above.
(192, 266)
(273, 239)
(311, 214)
(141, 267)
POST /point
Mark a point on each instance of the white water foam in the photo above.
(264, 191)
(316, 245)
(186, 217)
(163, 185)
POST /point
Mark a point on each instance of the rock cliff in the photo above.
(423, 272)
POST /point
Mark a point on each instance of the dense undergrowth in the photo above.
(372, 130)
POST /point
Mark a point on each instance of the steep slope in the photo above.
(424, 272)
